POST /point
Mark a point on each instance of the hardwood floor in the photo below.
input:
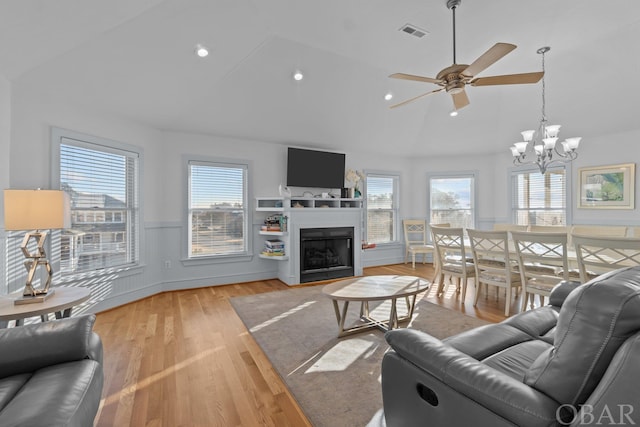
(184, 358)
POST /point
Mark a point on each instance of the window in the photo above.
(539, 199)
(217, 209)
(102, 182)
(452, 200)
(382, 208)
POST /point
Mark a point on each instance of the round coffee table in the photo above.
(374, 288)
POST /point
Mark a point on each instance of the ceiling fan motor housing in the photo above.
(455, 87)
(453, 3)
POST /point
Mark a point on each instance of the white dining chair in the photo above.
(598, 255)
(597, 231)
(548, 229)
(509, 227)
(493, 263)
(416, 240)
(452, 258)
(542, 261)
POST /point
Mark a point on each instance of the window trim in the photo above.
(458, 174)
(568, 174)
(113, 147)
(396, 176)
(247, 255)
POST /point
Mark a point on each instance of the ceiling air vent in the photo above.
(414, 31)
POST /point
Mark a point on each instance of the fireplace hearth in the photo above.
(326, 253)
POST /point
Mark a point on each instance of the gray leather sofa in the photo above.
(573, 362)
(51, 374)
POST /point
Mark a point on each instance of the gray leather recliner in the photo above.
(573, 362)
(51, 374)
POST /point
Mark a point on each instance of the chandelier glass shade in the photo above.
(540, 146)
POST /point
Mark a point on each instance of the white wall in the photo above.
(5, 145)
(493, 186)
(164, 189)
(491, 183)
(601, 150)
(25, 153)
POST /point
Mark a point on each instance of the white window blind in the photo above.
(452, 201)
(102, 184)
(539, 199)
(382, 208)
(217, 209)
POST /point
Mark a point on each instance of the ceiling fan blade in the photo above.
(460, 99)
(488, 58)
(415, 98)
(508, 79)
(414, 78)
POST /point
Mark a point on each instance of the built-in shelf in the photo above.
(273, 233)
(279, 204)
(273, 257)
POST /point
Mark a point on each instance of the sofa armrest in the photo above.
(95, 350)
(561, 291)
(32, 347)
(499, 393)
(618, 389)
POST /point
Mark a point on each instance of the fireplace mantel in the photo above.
(314, 213)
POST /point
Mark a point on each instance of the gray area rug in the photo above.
(336, 381)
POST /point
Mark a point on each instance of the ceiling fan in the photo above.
(454, 78)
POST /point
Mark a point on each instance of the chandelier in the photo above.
(541, 143)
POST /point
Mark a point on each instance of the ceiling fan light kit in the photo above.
(454, 78)
(201, 50)
(541, 144)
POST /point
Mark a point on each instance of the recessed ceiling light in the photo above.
(388, 96)
(201, 50)
(453, 113)
(297, 75)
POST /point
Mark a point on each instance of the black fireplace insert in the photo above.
(326, 253)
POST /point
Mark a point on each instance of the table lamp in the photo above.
(36, 210)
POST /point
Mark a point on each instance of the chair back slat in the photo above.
(509, 227)
(542, 261)
(493, 262)
(597, 255)
(415, 231)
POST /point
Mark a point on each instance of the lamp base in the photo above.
(28, 299)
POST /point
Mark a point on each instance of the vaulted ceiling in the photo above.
(134, 59)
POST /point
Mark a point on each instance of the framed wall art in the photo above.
(607, 187)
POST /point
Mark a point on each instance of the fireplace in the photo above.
(326, 253)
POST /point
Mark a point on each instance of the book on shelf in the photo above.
(272, 253)
(275, 223)
(274, 244)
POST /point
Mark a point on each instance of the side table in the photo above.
(60, 303)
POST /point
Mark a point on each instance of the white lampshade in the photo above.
(549, 143)
(514, 151)
(573, 143)
(527, 135)
(552, 130)
(521, 147)
(36, 210)
(539, 149)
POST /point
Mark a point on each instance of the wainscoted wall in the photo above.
(163, 268)
(3, 278)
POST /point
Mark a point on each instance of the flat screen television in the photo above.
(310, 168)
